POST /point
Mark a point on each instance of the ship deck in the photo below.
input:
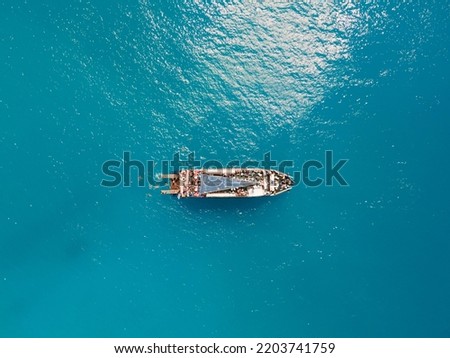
(227, 183)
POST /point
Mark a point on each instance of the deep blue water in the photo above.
(81, 82)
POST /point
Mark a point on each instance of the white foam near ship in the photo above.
(227, 183)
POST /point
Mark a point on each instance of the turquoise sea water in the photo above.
(81, 82)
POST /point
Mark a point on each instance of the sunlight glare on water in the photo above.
(263, 67)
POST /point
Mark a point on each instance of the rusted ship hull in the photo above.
(227, 183)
